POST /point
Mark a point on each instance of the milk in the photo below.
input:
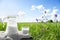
(11, 26)
(25, 30)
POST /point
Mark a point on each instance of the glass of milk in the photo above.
(11, 26)
(25, 30)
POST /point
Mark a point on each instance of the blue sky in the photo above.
(13, 7)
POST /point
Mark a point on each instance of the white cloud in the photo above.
(33, 7)
(20, 16)
(40, 7)
(54, 11)
(21, 13)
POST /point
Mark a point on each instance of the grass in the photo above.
(40, 31)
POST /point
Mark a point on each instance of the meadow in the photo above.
(39, 30)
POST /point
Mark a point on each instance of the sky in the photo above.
(29, 10)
